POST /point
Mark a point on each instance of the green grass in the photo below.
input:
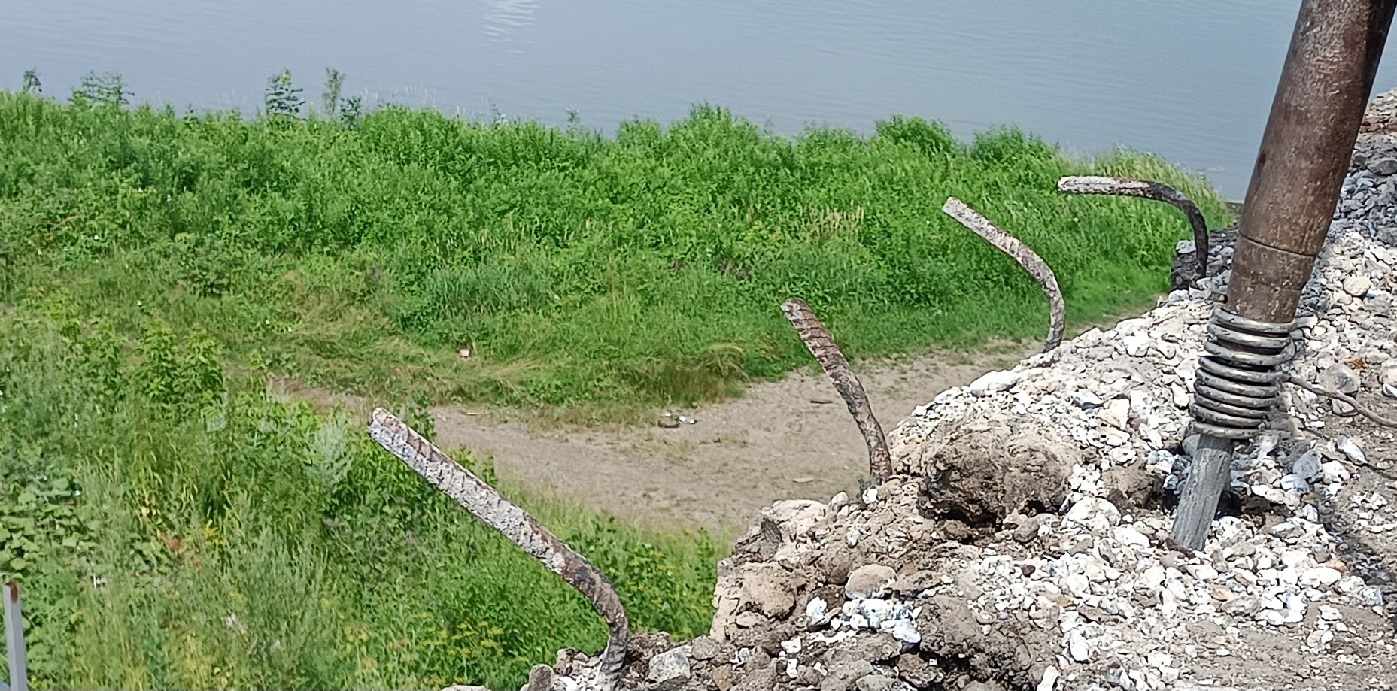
(585, 272)
(174, 525)
(172, 530)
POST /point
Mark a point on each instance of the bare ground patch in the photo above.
(781, 440)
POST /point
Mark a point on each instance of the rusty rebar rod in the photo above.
(1305, 151)
(1147, 189)
(822, 346)
(1021, 254)
(514, 523)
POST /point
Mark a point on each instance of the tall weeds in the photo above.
(173, 532)
(177, 526)
(362, 250)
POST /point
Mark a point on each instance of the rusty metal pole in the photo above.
(1305, 151)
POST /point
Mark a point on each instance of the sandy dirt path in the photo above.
(789, 439)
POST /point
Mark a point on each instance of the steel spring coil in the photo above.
(1239, 379)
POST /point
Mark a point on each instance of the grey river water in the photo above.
(1190, 80)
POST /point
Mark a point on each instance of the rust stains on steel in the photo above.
(1024, 256)
(821, 345)
(1147, 189)
(514, 523)
(1305, 151)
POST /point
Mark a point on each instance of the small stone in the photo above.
(1116, 413)
(874, 682)
(1348, 448)
(1334, 471)
(1370, 596)
(668, 666)
(1094, 512)
(1130, 536)
(1049, 680)
(1387, 377)
(1136, 344)
(1357, 285)
(1085, 399)
(905, 631)
(1294, 610)
(868, 579)
(1349, 585)
(816, 609)
(703, 648)
(875, 611)
(1179, 396)
(1307, 466)
(1078, 647)
(992, 382)
(1202, 572)
(1320, 577)
(1339, 377)
(1245, 604)
(1383, 166)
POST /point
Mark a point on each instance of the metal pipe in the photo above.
(14, 638)
(1305, 151)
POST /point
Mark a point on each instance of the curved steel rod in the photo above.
(1026, 258)
(1147, 189)
(514, 523)
(817, 339)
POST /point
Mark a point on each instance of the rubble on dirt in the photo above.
(1022, 543)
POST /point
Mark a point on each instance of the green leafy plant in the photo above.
(106, 90)
(282, 98)
(179, 374)
(30, 83)
(330, 99)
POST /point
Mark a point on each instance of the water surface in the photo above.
(1191, 80)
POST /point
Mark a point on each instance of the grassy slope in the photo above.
(175, 530)
(640, 270)
(171, 533)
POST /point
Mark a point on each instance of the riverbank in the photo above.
(178, 523)
(598, 277)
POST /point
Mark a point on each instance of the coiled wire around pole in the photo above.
(1239, 379)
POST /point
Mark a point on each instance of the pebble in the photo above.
(1357, 286)
(669, 666)
(1078, 647)
(1387, 378)
(993, 382)
(1320, 577)
(1350, 450)
(867, 580)
(1308, 466)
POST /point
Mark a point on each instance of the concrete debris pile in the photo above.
(1022, 543)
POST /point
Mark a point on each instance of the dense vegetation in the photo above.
(175, 525)
(172, 529)
(362, 250)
